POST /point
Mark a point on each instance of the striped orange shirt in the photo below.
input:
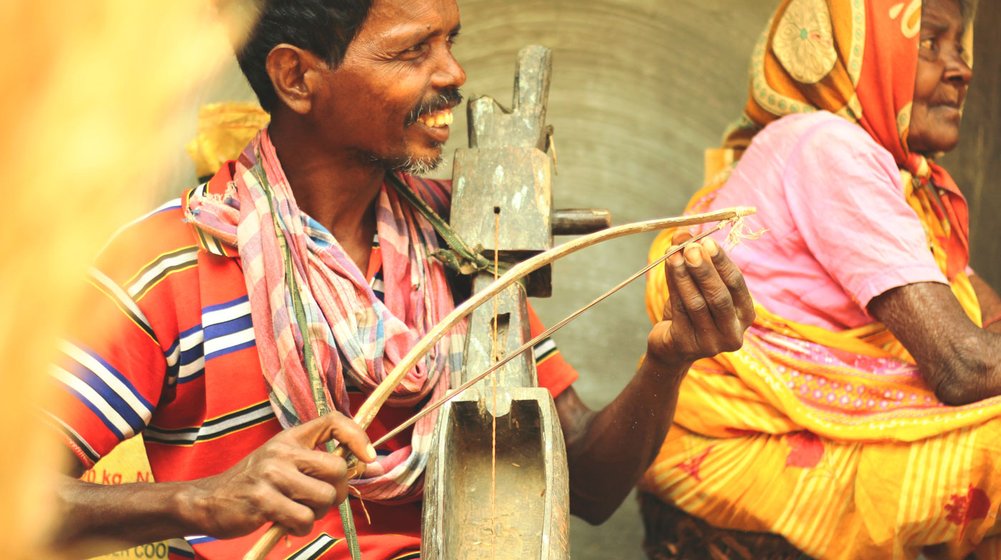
(177, 363)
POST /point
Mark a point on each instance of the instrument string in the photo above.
(495, 355)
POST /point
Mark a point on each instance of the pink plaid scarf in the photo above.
(313, 310)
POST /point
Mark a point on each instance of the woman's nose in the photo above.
(957, 68)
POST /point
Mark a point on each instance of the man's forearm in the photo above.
(99, 519)
(608, 451)
(707, 313)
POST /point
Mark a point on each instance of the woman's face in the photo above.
(942, 79)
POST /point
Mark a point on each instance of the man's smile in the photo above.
(437, 119)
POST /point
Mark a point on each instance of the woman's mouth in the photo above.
(950, 110)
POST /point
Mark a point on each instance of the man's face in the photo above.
(390, 101)
(942, 79)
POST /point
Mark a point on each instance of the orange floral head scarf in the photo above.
(857, 59)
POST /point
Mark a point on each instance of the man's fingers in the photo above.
(335, 426)
(688, 300)
(729, 331)
(692, 298)
(321, 465)
(315, 494)
(296, 518)
(677, 239)
(674, 303)
(709, 305)
(275, 506)
(287, 481)
(734, 281)
(315, 479)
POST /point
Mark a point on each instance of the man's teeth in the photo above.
(436, 120)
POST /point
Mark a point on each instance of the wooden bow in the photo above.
(507, 171)
(370, 408)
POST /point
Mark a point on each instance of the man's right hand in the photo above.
(285, 481)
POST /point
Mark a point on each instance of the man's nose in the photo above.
(449, 72)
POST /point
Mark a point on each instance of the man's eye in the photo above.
(928, 45)
(415, 51)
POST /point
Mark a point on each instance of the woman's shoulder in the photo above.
(819, 130)
(805, 155)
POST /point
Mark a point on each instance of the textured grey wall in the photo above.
(640, 88)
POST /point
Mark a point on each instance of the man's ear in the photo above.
(290, 69)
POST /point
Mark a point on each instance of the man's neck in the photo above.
(337, 190)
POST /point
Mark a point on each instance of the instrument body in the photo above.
(497, 483)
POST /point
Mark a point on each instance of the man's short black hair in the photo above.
(323, 27)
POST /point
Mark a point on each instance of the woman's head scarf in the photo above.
(857, 59)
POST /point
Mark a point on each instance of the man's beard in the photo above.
(420, 166)
(412, 165)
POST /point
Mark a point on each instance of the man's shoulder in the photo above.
(163, 231)
(160, 227)
(160, 235)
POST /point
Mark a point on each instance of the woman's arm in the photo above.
(960, 361)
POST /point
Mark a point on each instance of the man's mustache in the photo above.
(448, 98)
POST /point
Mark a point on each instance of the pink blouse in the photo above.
(837, 230)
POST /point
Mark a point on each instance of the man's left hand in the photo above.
(709, 307)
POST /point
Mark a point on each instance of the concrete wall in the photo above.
(640, 88)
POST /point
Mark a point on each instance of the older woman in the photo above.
(861, 418)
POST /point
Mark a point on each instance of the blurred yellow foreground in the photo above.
(91, 92)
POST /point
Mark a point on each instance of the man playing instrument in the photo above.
(233, 307)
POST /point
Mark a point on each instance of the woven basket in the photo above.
(673, 534)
